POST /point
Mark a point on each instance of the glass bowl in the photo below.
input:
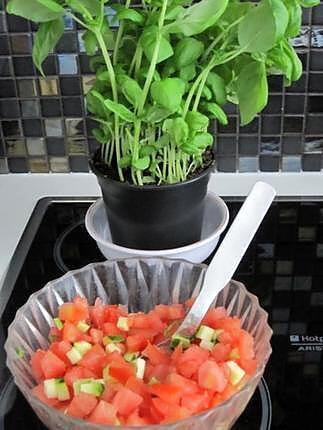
(140, 284)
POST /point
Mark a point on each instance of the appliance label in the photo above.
(306, 342)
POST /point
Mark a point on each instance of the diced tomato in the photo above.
(82, 308)
(136, 343)
(180, 413)
(213, 316)
(196, 402)
(226, 338)
(74, 312)
(211, 376)
(136, 420)
(52, 366)
(71, 333)
(246, 345)
(35, 362)
(149, 334)
(228, 324)
(160, 372)
(104, 413)
(77, 372)
(96, 335)
(189, 302)
(227, 392)
(121, 371)
(249, 365)
(220, 352)
(163, 407)
(126, 401)
(55, 335)
(82, 405)
(113, 312)
(136, 385)
(168, 392)
(188, 387)
(110, 329)
(39, 392)
(176, 312)
(60, 349)
(94, 360)
(162, 312)
(110, 391)
(191, 359)
(97, 314)
(156, 355)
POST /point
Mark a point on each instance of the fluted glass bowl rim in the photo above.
(51, 410)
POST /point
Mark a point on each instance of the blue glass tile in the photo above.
(67, 64)
(68, 22)
(248, 164)
(291, 164)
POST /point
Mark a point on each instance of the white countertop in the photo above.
(19, 194)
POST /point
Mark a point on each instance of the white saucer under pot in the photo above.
(216, 218)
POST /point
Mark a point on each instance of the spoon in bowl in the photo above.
(228, 256)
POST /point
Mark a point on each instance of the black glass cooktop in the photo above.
(283, 266)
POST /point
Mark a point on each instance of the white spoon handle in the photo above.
(230, 253)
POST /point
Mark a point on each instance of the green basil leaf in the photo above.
(86, 8)
(168, 93)
(32, 10)
(188, 73)
(173, 12)
(234, 11)
(180, 131)
(125, 161)
(147, 150)
(156, 114)
(309, 3)
(198, 17)
(252, 90)
(99, 135)
(281, 17)
(202, 140)
(129, 14)
(207, 93)
(148, 179)
(45, 40)
(217, 112)
(187, 51)
(162, 141)
(52, 5)
(217, 85)
(297, 67)
(190, 149)
(279, 62)
(120, 110)
(130, 89)
(148, 42)
(197, 121)
(295, 18)
(90, 42)
(257, 30)
(141, 163)
(95, 103)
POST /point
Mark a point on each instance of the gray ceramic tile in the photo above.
(27, 87)
(48, 87)
(38, 165)
(74, 126)
(53, 127)
(248, 164)
(30, 108)
(59, 164)
(3, 166)
(35, 146)
(291, 163)
(16, 148)
(77, 146)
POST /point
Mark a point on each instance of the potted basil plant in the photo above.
(163, 70)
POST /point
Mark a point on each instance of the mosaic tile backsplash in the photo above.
(44, 124)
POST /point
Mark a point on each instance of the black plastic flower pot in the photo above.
(154, 217)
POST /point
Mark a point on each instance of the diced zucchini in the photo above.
(77, 385)
(20, 352)
(234, 354)
(58, 323)
(111, 347)
(62, 391)
(153, 380)
(94, 387)
(74, 355)
(180, 340)
(217, 333)
(205, 333)
(140, 367)
(206, 344)
(112, 339)
(122, 323)
(82, 326)
(130, 356)
(82, 347)
(236, 372)
(50, 388)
